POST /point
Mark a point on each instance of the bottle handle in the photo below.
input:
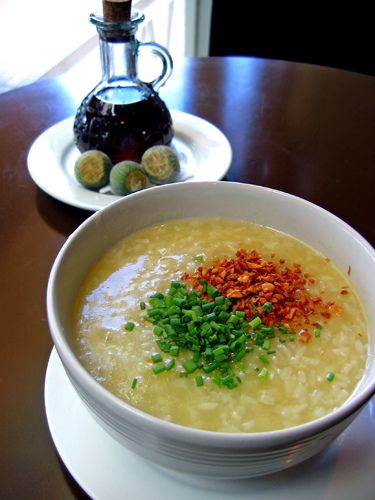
(166, 60)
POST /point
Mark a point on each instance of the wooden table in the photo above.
(303, 129)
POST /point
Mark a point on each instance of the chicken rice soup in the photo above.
(221, 325)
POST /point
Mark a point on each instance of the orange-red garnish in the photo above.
(250, 281)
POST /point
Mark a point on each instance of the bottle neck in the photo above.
(119, 60)
(118, 48)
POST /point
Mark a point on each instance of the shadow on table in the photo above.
(60, 216)
(76, 490)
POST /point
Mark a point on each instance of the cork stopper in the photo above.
(117, 10)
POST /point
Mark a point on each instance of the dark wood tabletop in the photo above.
(304, 129)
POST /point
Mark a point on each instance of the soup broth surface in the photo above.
(296, 389)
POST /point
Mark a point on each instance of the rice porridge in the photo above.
(307, 364)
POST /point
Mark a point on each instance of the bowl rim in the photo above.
(181, 433)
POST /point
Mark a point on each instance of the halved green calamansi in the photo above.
(92, 169)
(127, 177)
(161, 164)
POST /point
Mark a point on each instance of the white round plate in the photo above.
(107, 471)
(204, 152)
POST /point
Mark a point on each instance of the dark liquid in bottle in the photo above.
(122, 130)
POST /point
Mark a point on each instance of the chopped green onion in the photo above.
(198, 258)
(212, 291)
(208, 306)
(266, 345)
(217, 336)
(196, 356)
(217, 380)
(158, 330)
(190, 366)
(156, 357)
(163, 345)
(220, 300)
(174, 350)
(158, 369)
(255, 322)
(129, 326)
(318, 329)
(330, 376)
(267, 307)
(240, 314)
(282, 329)
(263, 374)
(254, 307)
(199, 380)
(239, 355)
(169, 364)
(134, 383)
(263, 359)
(229, 382)
(210, 367)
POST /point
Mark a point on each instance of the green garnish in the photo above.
(159, 369)
(255, 322)
(169, 364)
(266, 345)
(156, 357)
(256, 312)
(267, 307)
(134, 383)
(318, 329)
(190, 366)
(263, 374)
(215, 335)
(174, 350)
(198, 258)
(129, 326)
(330, 376)
(263, 359)
(207, 327)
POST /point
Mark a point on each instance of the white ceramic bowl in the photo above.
(185, 449)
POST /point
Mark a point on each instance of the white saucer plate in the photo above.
(204, 152)
(107, 471)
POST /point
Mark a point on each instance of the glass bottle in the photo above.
(123, 116)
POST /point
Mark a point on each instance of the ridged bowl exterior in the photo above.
(184, 449)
